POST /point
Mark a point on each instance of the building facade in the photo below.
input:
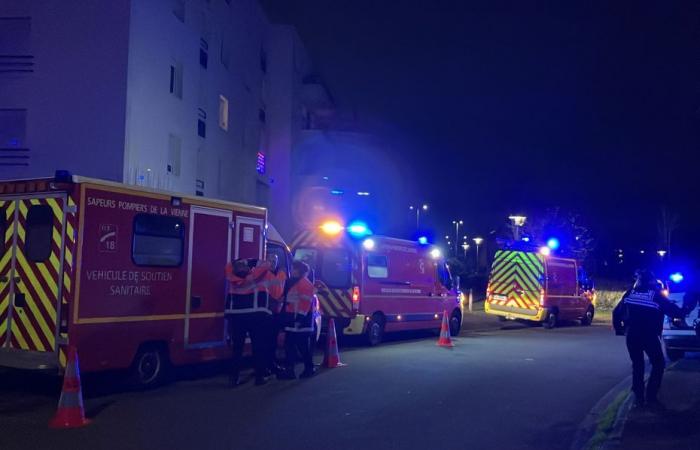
(203, 97)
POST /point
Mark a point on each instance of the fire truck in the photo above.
(130, 276)
(371, 285)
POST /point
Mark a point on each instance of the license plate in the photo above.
(499, 297)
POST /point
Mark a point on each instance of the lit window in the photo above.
(377, 266)
(223, 112)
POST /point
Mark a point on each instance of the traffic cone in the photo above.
(445, 339)
(331, 358)
(71, 412)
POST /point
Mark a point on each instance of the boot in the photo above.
(287, 374)
(308, 372)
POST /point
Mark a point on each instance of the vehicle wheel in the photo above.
(675, 355)
(551, 320)
(587, 318)
(375, 330)
(455, 323)
(150, 367)
(502, 319)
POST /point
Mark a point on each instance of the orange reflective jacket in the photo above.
(300, 304)
(247, 294)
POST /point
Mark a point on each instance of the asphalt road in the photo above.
(516, 388)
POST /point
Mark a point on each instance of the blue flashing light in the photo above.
(337, 192)
(553, 243)
(359, 229)
(422, 240)
(363, 193)
(676, 277)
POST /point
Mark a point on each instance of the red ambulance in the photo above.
(377, 284)
(132, 277)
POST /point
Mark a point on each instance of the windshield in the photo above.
(332, 266)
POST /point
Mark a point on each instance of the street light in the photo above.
(518, 222)
(477, 241)
(457, 223)
(661, 253)
(465, 246)
(424, 207)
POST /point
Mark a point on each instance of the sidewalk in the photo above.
(678, 427)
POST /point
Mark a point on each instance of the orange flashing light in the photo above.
(331, 227)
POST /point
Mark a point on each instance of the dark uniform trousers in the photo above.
(637, 346)
(299, 341)
(258, 326)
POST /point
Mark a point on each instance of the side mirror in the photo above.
(456, 282)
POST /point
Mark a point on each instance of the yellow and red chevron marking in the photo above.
(34, 325)
(334, 302)
(71, 235)
(518, 276)
(7, 210)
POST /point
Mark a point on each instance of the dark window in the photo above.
(158, 241)
(203, 53)
(377, 266)
(275, 249)
(39, 233)
(3, 230)
(444, 275)
(172, 79)
(335, 268)
(201, 128)
(262, 115)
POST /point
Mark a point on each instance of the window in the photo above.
(275, 249)
(179, 10)
(201, 123)
(223, 112)
(261, 115)
(3, 230)
(157, 241)
(176, 79)
(39, 233)
(308, 255)
(377, 266)
(444, 275)
(174, 151)
(203, 53)
(335, 268)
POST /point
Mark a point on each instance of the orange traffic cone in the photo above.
(445, 339)
(70, 413)
(332, 358)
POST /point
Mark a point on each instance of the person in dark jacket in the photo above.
(639, 316)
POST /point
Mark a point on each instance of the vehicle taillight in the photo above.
(356, 298)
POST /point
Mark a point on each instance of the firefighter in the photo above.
(639, 316)
(248, 312)
(276, 279)
(299, 308)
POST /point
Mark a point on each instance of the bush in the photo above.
(609, 293)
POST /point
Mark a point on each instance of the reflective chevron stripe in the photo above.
(516, 278)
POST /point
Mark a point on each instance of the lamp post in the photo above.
(518, 221)
(418, 209)
(477, 241)
(465, 247)
(457, 223)
(661, 254)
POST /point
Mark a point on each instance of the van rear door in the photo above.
(516, 281)
(31, 277)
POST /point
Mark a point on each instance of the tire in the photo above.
(375, 330)
(551, 320)
(502, 319)
(587, 318)
(675, 355)
(455, 323)
(150, 367)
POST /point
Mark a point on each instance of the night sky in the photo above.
(516, 106)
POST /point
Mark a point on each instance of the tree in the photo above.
(566, 226)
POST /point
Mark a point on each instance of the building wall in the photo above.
(72, 92)
(223, 163)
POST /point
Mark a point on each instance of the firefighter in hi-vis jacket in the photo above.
(248, 312)
(275, 285)
(299, 307)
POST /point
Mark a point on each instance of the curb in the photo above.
(617, 397)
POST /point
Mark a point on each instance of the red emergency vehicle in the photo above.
(377, 284)
(132, 277)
